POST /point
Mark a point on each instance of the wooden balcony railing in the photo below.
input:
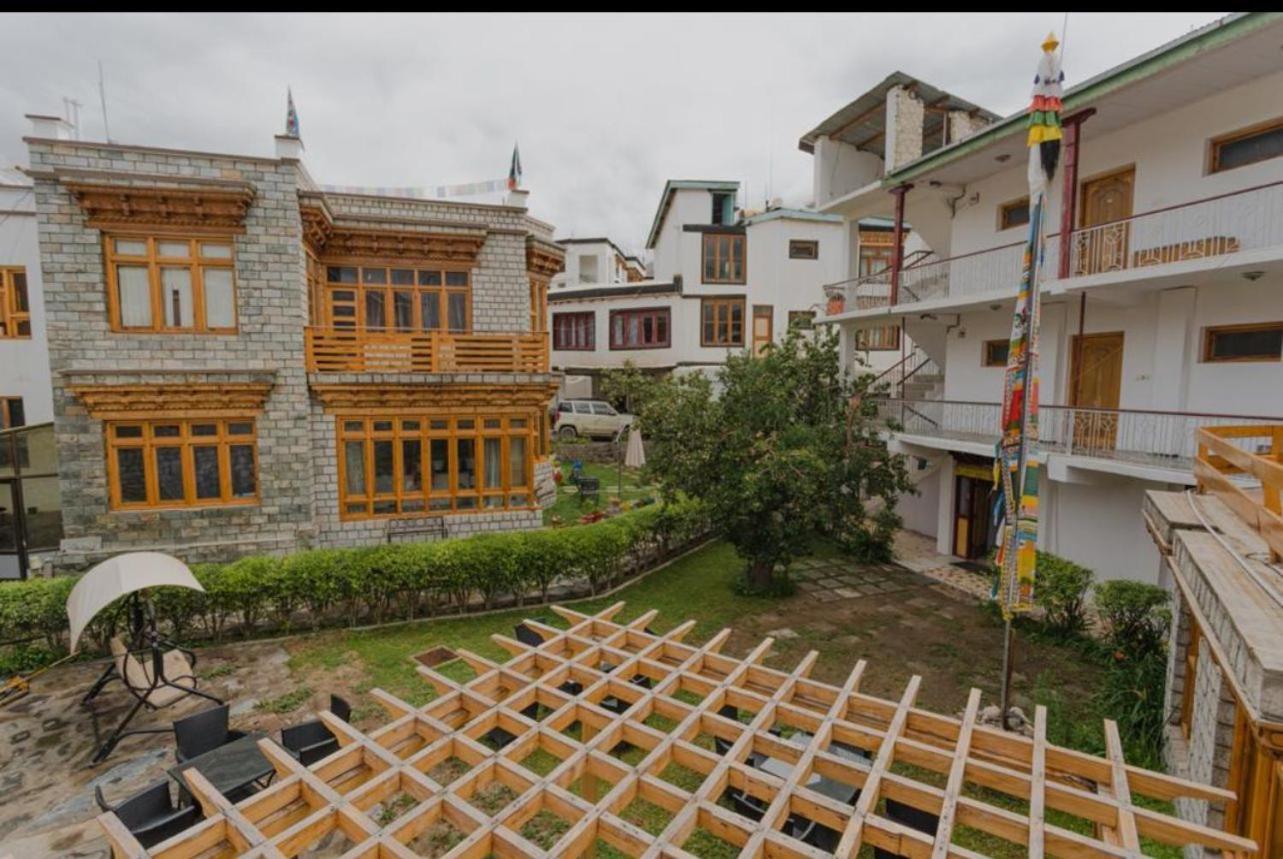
(1243, 466)
(336, 350)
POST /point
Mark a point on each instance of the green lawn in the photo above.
(699, 587)
(568, 506)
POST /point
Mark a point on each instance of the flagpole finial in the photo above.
(1050, 43)
(291, 115)
(514, 169)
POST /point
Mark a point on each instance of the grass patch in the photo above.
(287, 703)
(568, 507)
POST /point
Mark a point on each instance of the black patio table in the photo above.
(231, 768)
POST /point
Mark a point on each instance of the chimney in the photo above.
(905, 115)
(963, 124)
(50, 127)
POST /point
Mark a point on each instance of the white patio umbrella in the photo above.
(118, 576)
(636, 455)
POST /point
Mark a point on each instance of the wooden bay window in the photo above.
(397, 298)
(167, 283)
(649, 328)
(722, 322)
(172, 462)
(15, 311)
(724, 258)
(574, 332)
(435, 463)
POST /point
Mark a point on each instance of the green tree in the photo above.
(628, 387)
(784, 450)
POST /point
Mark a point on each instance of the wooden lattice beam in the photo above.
(601, 686)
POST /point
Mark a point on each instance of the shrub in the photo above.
(1136, 616)
(1061, 591)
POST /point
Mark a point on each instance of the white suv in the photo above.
(591, 418)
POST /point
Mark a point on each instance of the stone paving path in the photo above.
(839, 578)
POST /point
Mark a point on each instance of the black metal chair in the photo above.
(311, 740)
(527, 636)
(203, 732)
(151, 815)
(589, 490)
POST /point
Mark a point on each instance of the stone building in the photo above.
(245, 362)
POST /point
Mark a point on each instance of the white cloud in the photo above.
(606, 107)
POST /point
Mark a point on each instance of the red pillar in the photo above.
(1071, 127)
(897, 239)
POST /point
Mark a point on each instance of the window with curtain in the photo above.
(641, 329)
(722, 322)
(400, 299)
(724, 258)
(576, 332)
(433, 463)
(170, 283)
(15, 313)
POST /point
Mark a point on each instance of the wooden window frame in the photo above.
(538, 305)
(722, 319)
(656, 313)
(986, 357)
(796, 251)
(888, 341)
(718, 247)
(6, 412)
(15, 314)
(1212, 330)
(1005, 210)
(573, 317)
(1215, 145)
(360, 288)
(186, 442)
(195, 263)
(426, 432)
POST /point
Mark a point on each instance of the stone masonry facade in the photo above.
(296, 469)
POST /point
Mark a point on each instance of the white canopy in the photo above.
(118, 576)
(635, 457)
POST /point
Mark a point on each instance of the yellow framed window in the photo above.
(407, 465)
(724, 260)
(398, 298)
(722, 322)
(170, 283)
(171, 462)
(15, 311)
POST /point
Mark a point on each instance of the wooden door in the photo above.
(1101, 241)
(1097, 380)
(763, 326)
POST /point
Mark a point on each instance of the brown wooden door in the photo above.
(763, 326)
(1105, 201)
(1097, 382)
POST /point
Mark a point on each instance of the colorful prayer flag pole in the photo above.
(291, 115)
(514, 170)
(1017, 454)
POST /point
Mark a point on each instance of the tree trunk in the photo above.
(759, 575)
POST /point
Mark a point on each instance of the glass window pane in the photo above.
(403, 310)
(169, 473)
(244, 475)
(240, 428)
(374, 275)
(211, 250)
(430, 305)
(467, 453)
(456, 278)
(181, 250)
(204, 429)
(383, 466)
(176, 297)
(167, 431)
(458, 310)
(411, 465)
(134, 296)
(129, 468)
(493, 458)
(131, 247)
(354, 467)
(340, 274)
(374, 309)
(20, 291)
(440, 464)
(517, 461)
(208, 480)
(129, 431)
(429, 278)
(220, 304)
(402, 277)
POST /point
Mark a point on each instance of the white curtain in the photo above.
(176, 297)
(220, 311)
(134, 297)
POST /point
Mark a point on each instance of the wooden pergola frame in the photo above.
(590, 786)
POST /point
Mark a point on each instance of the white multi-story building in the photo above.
(1163, 289)
(723, 280)
(26, 396)
(597, 261)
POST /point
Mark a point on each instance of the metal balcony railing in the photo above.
(339, 350)
(1154, 438)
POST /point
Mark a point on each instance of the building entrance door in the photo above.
(1101, 241)
(763, 326)
(972, 510)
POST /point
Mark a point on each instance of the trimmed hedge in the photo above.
(325, 587)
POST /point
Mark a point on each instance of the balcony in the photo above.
(336, 350)
(1220, 226)
(1243, 466)
(1145, 438)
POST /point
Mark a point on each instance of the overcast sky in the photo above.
(606, 107)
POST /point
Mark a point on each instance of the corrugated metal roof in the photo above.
(862, 123)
